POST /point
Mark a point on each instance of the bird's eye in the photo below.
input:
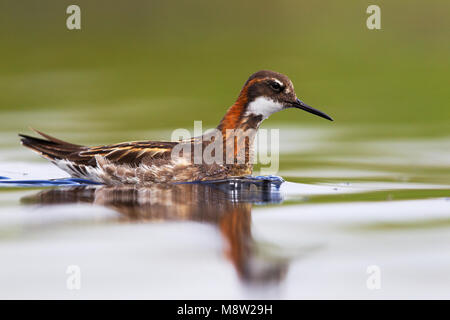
(276, 86)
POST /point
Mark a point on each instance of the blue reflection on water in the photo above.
(47, 183)
(272, 181)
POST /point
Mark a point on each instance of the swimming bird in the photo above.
(229, 147)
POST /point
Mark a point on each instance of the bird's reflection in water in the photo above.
(226, 204)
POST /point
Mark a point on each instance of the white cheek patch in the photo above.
(263, 106)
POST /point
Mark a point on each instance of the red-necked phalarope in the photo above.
(144, 162)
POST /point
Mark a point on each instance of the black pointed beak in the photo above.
(301, 105)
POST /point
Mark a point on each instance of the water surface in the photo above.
(348, 203)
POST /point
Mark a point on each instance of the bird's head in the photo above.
(263, 94)
(267, 92)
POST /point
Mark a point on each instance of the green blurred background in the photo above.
(144, 65)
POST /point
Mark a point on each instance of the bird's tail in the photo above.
(50, 147)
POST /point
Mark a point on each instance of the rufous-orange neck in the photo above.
(232, 118)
